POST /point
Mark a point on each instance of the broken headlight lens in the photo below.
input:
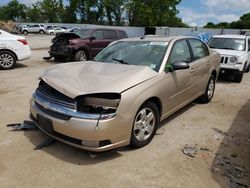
(104, 104)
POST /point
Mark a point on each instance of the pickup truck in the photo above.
(235, 54)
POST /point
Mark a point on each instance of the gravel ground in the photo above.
(220, 127)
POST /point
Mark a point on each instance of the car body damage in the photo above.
(120, 98)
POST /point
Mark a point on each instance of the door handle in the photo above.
(192, 70)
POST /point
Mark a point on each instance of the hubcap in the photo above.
(83, 56)
(144, 124)
(6, 60)
(210, 89)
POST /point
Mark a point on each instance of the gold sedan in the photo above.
(120, 98)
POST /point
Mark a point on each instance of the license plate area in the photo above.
(45, 123)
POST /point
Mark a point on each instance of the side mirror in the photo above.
(177, 66)
(92, 38)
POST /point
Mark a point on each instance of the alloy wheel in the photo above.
(6, 60)
(144, 124)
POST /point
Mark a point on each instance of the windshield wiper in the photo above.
(120, 61)
(226, 48)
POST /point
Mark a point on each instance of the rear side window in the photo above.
(121, 35)
(199, 48)
(108, 34)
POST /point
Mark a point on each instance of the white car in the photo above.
(235, 54)
(12, 48)
(55, 31)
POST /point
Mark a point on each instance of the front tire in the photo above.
(41, 32)
(145, 125)
(207, 97)
(81, 55)
(7, 60)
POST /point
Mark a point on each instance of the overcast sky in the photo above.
(199, 12)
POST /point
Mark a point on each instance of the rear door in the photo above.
(199, 66)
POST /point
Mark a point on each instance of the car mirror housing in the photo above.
(180, 66)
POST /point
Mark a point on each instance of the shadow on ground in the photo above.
(231, 165)
(81, 157)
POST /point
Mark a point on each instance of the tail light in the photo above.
(23, 41)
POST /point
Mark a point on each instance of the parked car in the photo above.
(235, 54)
(73, 29)
(37, 28)
(120, 98)
(84, 44)
(54, 31)
(12, 48)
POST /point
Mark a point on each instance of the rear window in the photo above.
(108, 34)
(121, 35)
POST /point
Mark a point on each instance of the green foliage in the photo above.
(153, 13)
(242, 23)
(13, 11)
(112, 12)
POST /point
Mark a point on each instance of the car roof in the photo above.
(230, 36)
(158, 38)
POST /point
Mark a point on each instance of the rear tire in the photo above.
(248, 68)
(7, 60)
(238, 77)
(207, 97)
(41, 32)
(81, 55)
(145, 125)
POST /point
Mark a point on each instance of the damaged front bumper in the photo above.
(61, 52)
(86, 133)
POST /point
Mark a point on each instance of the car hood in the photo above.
(230, 52)
(74, 79)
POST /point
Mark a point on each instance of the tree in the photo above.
(210, 25)
(34, 13)
(13, 11)
(153, 13)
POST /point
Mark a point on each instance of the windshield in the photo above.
(228, 44)
(83, 33)
(144, 53)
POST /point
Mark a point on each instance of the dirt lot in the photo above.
(220, 127)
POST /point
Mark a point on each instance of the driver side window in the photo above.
(180, 52)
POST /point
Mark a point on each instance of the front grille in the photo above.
(53, 113)
(224, 60)
(51, 95)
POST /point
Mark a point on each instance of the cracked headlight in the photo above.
(104, 104)
(233, 59)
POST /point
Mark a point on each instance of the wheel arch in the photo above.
(10, 51)
(157, 102)
(214, 73)
(83, 49)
